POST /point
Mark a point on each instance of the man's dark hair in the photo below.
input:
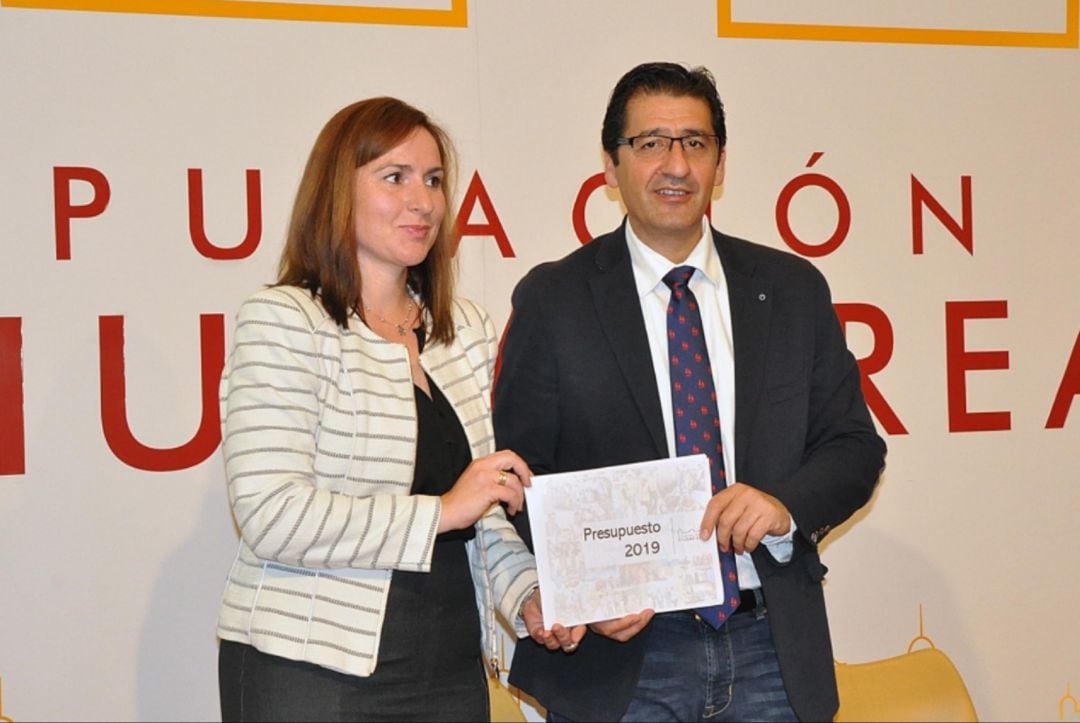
(660, 79)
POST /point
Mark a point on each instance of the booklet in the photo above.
(616, 540)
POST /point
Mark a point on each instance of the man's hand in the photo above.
(555, 638)
(741, 515)
(624, 628)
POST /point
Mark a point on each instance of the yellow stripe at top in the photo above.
(729, 28)
(457, 16)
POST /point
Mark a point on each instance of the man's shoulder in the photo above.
(754, 258)
(574, 267)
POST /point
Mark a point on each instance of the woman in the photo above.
(359, 451)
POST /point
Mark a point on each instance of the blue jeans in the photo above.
(694, 672)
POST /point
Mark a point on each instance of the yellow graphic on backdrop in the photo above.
(3, 718)
(1069, 37)
(453, 13)
(921, 636)
(1068, 698)
(920, 684)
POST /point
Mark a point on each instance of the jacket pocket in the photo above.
(814, 567)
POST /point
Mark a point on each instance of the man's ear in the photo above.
(720, 168)
(609, 171)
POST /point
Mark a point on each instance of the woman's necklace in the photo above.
(401, 326)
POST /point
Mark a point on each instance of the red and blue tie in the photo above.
(693, 405)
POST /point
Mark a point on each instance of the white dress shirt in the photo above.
(710, 287)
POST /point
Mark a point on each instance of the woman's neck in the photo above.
(385, 294)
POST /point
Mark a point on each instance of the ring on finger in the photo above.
(503, 477)
(571, 647)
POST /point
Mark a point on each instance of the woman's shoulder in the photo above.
(284, 304)
(469, 314)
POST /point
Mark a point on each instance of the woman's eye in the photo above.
(394, 177)
(435, 181)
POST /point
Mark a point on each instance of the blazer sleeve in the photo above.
(511, 568)
(526, 406)
(844, 455)
(273, 397)
(526, 396)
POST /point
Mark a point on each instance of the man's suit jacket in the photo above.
(576, 389)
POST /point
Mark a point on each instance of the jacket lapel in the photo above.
(616, 300)
(449, 368)
(750, 297)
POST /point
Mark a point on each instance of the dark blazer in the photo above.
(576, 389)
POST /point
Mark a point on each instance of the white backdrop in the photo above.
(110, 574)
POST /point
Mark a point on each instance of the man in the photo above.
(587, 381)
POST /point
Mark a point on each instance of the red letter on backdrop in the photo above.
(1069, 388)
(476, 192)
(63, 211)
(197, 220)
(959, 361)
(874, 362)
(843, 211)
(114, 421)
(921, 197)
(588, 188)
(12, 432)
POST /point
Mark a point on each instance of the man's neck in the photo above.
(675, 250)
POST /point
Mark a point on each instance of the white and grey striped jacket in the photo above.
(319, 437)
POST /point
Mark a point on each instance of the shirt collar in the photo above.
(650, 267)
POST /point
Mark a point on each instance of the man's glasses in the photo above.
(653, 145)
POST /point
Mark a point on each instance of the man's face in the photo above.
(666, 196)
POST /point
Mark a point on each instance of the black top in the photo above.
(432, 623)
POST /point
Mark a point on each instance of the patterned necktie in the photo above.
(693, 405)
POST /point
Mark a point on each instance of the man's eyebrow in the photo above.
(666, 131)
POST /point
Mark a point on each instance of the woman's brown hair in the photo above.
(320, 249)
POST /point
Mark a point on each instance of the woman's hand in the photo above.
(498, 477)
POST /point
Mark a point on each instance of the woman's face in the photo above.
(399, 205)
